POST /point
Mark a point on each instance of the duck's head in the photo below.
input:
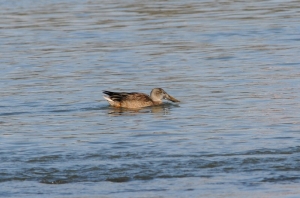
(157, 94)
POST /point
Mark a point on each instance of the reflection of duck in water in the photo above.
(136, 100)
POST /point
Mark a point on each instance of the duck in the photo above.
(135, 100)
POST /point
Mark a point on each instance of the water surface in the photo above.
(234, 66)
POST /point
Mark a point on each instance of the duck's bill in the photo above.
(171, 98)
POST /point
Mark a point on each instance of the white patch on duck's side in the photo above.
(110, 101)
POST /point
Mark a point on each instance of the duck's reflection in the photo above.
(163, 109)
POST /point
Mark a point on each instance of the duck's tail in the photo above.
(109, 100)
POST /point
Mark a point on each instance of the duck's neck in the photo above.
(157, 102)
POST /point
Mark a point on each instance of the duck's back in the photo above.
(128, 100)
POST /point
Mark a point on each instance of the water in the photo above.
(234, 65)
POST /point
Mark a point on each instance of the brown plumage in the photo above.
(136, 100)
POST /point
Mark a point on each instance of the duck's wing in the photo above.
(126, 96)
(130, 100)
(116, 96)
(134, 96)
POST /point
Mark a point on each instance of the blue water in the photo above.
(233, 65)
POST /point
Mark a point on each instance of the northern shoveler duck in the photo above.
(136, 100)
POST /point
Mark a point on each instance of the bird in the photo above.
(135, 100)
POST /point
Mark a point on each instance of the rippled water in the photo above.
(234, 65)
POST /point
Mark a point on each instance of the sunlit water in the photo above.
(234, 65)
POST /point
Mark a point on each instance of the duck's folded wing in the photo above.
(125, 96)
(121, 96)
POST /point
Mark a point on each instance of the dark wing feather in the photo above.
(125, 96)
(138, 97)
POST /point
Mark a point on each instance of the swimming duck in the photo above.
(136, 100)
